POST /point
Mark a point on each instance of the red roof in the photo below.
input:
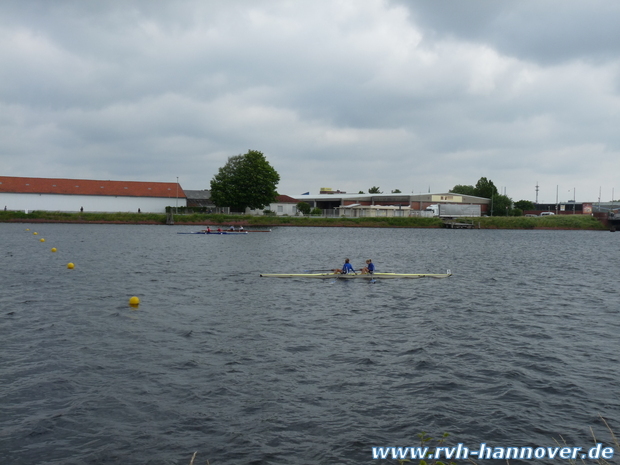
(15, 185)
(286, 199)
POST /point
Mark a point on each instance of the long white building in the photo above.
(400, 204)
(74, 195)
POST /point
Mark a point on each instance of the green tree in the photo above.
(374, 190)
(396, 191)
(245, 181)
(501, 205)
(485, 188)
(304, 208)
(361, 192)
(463, 189)
(525, 205)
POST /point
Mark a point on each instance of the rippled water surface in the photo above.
(518, 347)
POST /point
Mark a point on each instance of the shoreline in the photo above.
(559, 222)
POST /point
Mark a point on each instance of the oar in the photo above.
(331, 270)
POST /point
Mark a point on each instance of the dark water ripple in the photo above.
(517, 348)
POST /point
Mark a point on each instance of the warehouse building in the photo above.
(342, 204)
(75, 195)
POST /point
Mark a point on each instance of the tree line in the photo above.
(501, 205)
(249, 181)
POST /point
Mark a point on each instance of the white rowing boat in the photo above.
(215, 232)
(356, 276)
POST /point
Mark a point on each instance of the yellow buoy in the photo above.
(35, 233)
(53, 249)
(70, 266)
(27, 229)
(134, 301)
(41, 240)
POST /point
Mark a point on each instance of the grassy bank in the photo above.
(215, 219)
(63, 217)
(544, 222)
(497, 222)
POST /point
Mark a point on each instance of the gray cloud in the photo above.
(544, 32)
(346, 94)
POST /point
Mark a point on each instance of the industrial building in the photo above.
(82, 195)
(564, 208)
(340, 204)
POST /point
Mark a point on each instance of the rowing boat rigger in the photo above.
(356, 276)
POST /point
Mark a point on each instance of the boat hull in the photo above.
(356, 276)
(215, 232)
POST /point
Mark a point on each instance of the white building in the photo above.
(74, 195)
(374, 211)
(399, 204)
(283, 205)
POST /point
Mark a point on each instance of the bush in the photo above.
(188, 210)
(304, 208)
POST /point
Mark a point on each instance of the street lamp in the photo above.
(176, 206)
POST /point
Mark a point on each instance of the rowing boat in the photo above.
(214, 232)
(356, 276)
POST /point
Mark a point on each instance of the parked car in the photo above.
(547, 214)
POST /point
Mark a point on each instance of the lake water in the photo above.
(518, 347)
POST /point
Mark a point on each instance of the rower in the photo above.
(369, 268)
(346, 268)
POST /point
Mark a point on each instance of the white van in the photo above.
(547, 214)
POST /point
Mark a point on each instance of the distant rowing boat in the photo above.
(215, 232)
(356, 276)
(227, 231)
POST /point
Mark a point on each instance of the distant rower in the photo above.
(346, 268)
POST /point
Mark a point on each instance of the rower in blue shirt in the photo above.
(369, 268)
(346, 268)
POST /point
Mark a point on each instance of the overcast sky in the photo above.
(348, 94)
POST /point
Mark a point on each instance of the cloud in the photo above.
(547, 32)
(342, 94)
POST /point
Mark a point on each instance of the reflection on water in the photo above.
(518, 347)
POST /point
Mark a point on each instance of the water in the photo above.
(517, 348)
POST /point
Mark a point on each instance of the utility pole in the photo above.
(536, 192)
